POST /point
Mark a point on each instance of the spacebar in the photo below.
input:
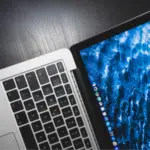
(28, 137)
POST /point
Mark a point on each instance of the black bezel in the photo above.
(96, 117)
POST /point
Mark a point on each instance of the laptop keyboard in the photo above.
(46, 111)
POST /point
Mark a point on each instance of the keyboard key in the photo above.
(53, 138)
(33, 115)
(63, 101)
(16, 106)
(44, 146)
(74, 133)
(21, 82)
(41, 106)
(42, 75)
(13, 95)
(66, 142)
(57, 147)
(68, 89)
(67, 112)
(37, 126)
(40, 136)
(32, 80)
(64, 78)
(28, 137)
(59, 91)
(87, 143)
(29, 104)
(60, 66)
(76, 111)
(25, 94)
(47, 89)
(45, 117)
(55, 80)
(62, 131)
(70, 148)
(78, 143)
(72, 100)
(51, 100)
(49, 127)
(21, 118)
(51, 70)
(83, 132)
(70, 122)
(37, 95)
(58, 121)
(9, 84)
(80, 121)
(54, 110)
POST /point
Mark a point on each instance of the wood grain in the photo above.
(29, 28)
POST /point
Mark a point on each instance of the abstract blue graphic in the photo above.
(120, 67)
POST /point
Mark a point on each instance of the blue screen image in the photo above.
(120, 67)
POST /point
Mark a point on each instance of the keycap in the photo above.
(51, 100)
(21, 82)
(83, 132)
(21, 118)
(49, 127)
(70, 148)
(44, 146)
(57, 147)
(28, 137)
(41, 106)
(32, 80)
(64, 78)
(72, 100)
(63, 101)
(87, 143)
(45, 117)
(60, 66)
(78, 143)
(74, 133)
(62, 131)
(9, 84)
(70, 122)
(13, 95)
(54, 110)
(51, 70)
(55, 80)
(66, 142)
(37, 95)
(42, 76)
(59, 91)
(33, 115)
(37, 126)
(68, 89)
(40, 136)
(58, 121)
(76, 111)
(47, 89)
(25, 94)
(17, 106)
(29, 104)
(80, 121)
(67, 112)
(53, 138)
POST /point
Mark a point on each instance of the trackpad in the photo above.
(8, 142)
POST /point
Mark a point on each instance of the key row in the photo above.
(32, 80)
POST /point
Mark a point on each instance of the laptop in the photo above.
(94, 96)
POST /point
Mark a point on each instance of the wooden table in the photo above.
(29, 28)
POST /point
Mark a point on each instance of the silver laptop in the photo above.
(68, 100)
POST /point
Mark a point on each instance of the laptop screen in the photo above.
(119, 72)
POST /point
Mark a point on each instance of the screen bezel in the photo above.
(97, 120)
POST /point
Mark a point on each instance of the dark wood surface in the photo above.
(29, 28)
